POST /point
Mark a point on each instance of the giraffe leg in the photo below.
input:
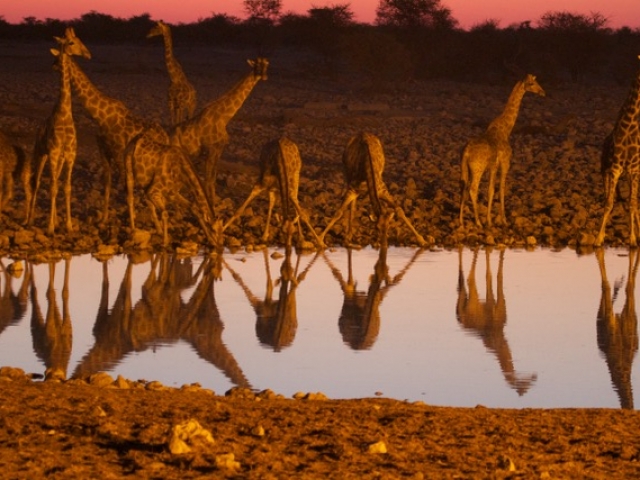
(349, 197)
(400, 212)
(504, 170)
(211, 168)
(613, 181)
(473, 194)
(305, 218)
(352, 214)
(633, 209)
(33, 192)
(464, 197)
(491, 193)
(130, 181)
(53, 212)
(272, 200)
(257, 190)
(67, 197)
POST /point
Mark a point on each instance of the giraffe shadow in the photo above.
(617, 333)
(13, 305)
(487, 318)
(359, 321)
(276, 318)
(52, 333)
(161, 316)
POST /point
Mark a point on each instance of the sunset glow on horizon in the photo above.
(506, 12)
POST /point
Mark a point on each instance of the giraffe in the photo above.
(276, 320)
(487, 318)
(363, 161)
(621, 153)
(280, 165)
(13, 165)
(618, 333)
(161, 170)
(492, 150)
(56, 143)
(53, 333)
(205, 134)
(116, 124)
(182, 95)
(359, 321)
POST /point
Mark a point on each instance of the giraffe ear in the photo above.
(55, 52)
(251, 62)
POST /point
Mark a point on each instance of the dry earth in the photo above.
(88, 428)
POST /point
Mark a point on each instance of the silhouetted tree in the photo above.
(414, 13)
(263, 10)
(575, 41)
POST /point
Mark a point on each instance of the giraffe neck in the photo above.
(64, 102)
(104, 110)
(629, 116)
(227, 106)
(174, 69)
(502, 126)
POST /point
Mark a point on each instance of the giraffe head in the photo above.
(531, 85)
(259, 66)
(159, 29)
(71, 45)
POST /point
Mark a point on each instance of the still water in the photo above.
(460, 328)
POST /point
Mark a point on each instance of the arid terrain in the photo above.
(110, 428)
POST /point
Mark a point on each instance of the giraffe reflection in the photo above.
(359, 321)
(52, 334)
(487, 318)
(161, 316)
(12, 306)
(618, 333)
(276, 320)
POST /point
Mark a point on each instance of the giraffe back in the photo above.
(363, 161)
(280, 165)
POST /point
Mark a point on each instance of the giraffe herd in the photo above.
(162, 162)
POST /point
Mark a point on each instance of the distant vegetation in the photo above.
(410, 39)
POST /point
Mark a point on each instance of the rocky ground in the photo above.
(85, 428)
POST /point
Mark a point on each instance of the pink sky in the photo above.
(467, 12)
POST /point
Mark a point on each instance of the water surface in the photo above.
(459, 328)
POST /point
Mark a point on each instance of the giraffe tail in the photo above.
(464, 171)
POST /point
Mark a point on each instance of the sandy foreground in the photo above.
(109, 428)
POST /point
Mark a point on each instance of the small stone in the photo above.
(15, 269)
(122, 382)
(101, 379)
(257, 431)
(155, 385)
(378, 447)
(531, 241)
(188, 435)
(227, 461)
(54, 374)
(141, 238)
(106, 250)
(505, 463)
(99, 412)
(12, 373)
(586, 239)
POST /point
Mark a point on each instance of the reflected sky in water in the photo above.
(460, 328)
